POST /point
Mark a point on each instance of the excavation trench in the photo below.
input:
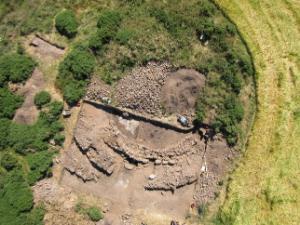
(153, 165)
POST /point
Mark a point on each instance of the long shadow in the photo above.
(128, 115)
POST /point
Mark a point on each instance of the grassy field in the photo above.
(265, 188)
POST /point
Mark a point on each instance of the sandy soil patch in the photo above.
(60, 203)
(48, 55)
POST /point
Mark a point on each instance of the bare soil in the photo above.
(28, 113)
(155, 90)
(181, 90)
(48, 55)
(138, 169)
(45, 49)
(60, 202)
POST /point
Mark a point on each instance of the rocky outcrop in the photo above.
(101, 159)
(78, 164)
(99, 154)
(169, 178)
(142, 154)
(107, 143)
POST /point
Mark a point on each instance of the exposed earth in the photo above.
(156, 90)
(180, 92)
(28, 112)
(47, 52)
(129, 151)
(137, 166)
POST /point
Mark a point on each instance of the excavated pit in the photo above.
(136, 165)
(134, 154)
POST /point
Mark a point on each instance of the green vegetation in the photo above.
(25, 138)
(59, 139)
(109, 19)
(74, 72)
(9, 103)
(42, 98)
(4, 131)
(125, 34)
(228, 122)
(66, 23)
(15, 68)
(25, 156)
(93, 213)
(28, 161)
(108, 24)
(8, 161)
(40, 165)
(192, 34)
(100, 38)
(264, 188)
(36, 216)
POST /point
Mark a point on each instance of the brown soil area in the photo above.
(137, 171)
(48, 55)
(45, 49)
(60, 203)
(28, 113)
(137, 168)
(181, 90)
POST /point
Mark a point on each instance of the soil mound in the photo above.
(181, 90)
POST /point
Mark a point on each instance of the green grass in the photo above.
(191, 34)
(264, 189)
(124, 34)
(25, 158)
(91, 212)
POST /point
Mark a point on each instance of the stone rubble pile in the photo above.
(97, 146)
(142, 154)
(98, 90)
(142, 90)
(168, 178)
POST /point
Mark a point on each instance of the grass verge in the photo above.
(265, 187)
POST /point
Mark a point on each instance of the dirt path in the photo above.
(264, 187)
(60, 200)
(28, 113)
(48, 56)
